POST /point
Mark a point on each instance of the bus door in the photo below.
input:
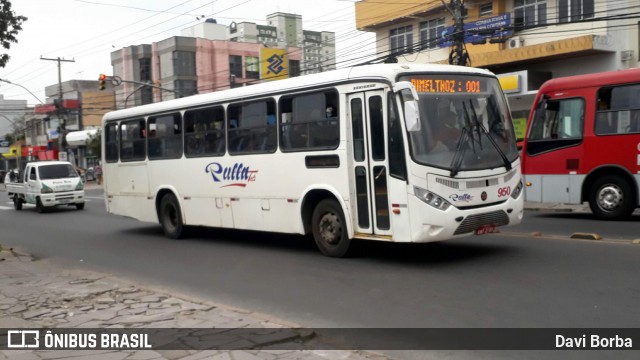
(369, 171)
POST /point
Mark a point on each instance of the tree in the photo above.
(10, 25)
(94, 144)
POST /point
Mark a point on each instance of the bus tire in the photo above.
(329, 229)
(17, 203)
(611, 198)
(39, 207)
(171, 217)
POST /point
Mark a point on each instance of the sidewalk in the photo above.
(557, 207)
(38, 294)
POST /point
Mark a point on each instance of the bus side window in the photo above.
(309, 121)
(111, 143)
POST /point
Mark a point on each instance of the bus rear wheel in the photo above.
(611, 198)
(170, 216)
(330, 229)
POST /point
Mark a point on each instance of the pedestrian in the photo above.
(97, 170)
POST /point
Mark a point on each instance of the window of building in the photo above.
(618, 110)
(252, 127)
(164, 136)
(252, 69)
(235, 66)
(309, 121)
(401, 39)
(133, 140)
(431, 33)
(528, 13)
(204, 132)
(486, 9)
(185, 88)
(145, 69)
(294, 68)
(184, 63)
(575, 10)
(146, 95)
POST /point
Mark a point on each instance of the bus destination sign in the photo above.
(443, 85)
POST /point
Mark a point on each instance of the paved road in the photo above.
(505, 280)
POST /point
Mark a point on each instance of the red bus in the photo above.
(583, 143)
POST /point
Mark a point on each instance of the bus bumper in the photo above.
(436, 225)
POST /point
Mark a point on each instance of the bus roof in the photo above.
(385, 72)
(591, 80)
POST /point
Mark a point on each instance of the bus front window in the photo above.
(465, 124)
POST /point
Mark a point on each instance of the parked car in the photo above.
(89, 175)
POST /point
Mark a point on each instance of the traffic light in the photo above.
(101, 81)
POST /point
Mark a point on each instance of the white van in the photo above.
(47, 184)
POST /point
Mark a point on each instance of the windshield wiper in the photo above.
(507, 163)
(458, 157)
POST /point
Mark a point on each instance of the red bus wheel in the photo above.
(611, 198)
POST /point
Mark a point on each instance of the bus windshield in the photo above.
(465, 123)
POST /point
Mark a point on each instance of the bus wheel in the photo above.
(39, 207)
(170, 216)
(17, 203)
(611, 198)
(330, 229)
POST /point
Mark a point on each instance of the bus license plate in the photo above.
(486, 229)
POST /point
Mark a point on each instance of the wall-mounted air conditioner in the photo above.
(515, 42)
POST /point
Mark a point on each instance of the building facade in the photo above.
(318, 48)
(182, 66)
(524, 42)
(78, 116)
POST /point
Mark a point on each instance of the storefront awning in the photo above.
(79, 138)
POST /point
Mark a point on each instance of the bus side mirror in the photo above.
(412, 116)
(411, 110)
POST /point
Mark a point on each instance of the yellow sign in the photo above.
(520, 125)
(509, 83)
(274, 64)
(13, 150)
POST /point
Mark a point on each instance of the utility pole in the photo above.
(59, 107)
(458, 54)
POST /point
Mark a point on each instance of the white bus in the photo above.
(363, 153)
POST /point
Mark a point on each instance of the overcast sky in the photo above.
(87, 31)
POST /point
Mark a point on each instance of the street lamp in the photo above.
(9, 82)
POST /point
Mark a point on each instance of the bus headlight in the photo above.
(516, 192)
(431, 198)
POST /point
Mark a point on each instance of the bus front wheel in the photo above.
(170, 216)
(611, 198)
(330, 229)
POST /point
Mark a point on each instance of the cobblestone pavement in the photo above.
(38, 294)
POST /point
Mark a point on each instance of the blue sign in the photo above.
(275, 64)
(479, 30)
